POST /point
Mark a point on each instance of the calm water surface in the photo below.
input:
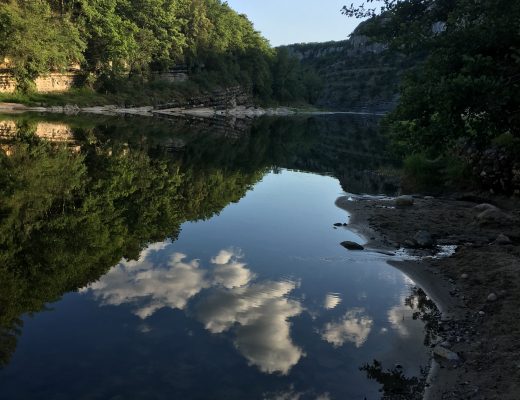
(231, 282)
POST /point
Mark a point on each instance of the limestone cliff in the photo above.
(358, 74)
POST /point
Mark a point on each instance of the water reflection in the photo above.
(114, 217)
(258, 312)
(353, 327)
(331, 301)
(150, 288)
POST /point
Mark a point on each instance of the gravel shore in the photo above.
(477, 289)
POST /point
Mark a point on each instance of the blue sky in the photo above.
(296, 21)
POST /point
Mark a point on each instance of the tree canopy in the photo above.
(114, 40)
(468, 84)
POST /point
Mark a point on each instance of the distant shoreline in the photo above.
(202, 112)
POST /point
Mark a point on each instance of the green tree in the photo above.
(37, 40)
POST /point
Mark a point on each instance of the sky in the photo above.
(298, 21)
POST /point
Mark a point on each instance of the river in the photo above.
(189, 259)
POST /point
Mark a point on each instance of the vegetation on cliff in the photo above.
(463, 98)
(120, 44)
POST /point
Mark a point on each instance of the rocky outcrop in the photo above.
(222, 99)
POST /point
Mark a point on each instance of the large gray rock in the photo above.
(424, 239)
(404, 201)
(493, 216)
(352, 245)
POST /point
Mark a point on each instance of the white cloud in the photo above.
(331, 301)
(261, 312)
(151, 288)
(401, 318)
(228, 271)
(354, 327)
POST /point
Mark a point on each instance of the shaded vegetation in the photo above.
(466, 90)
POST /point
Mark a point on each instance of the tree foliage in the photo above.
(468, 85)
(119, 39)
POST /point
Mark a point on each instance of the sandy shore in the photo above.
(477, 289)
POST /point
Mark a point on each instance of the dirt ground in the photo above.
(477, 288)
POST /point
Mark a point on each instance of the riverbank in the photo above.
(150, 111)
(477, 288)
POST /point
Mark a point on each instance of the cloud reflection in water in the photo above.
(259, 312)
(354, 327)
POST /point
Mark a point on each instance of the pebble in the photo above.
(464, 276)
(445, 353)
(481, 313)
(492, 297)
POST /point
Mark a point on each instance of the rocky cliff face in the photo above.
(358, 74)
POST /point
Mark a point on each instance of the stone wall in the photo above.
(7, 83)
(54, 82)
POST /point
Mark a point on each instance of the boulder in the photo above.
(424, 239)
(352, 245)
(493, 216)
(404, 201)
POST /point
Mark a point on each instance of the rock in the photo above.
(492, 297)
(481, 313)
(445, 353)
(503, 240)
(424, 239)
(485, 206)
(428, 197)
(493, 216)
(464, 276)
(404, 201)
(338, 224)
(352, 245)
(409, 244)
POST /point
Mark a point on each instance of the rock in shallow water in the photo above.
(404, 201)
(352, 245)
